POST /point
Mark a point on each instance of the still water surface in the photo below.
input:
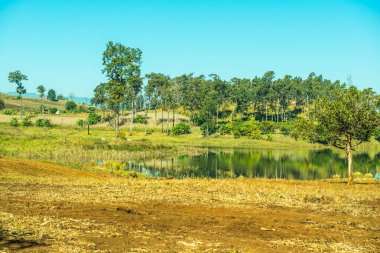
(266, 163)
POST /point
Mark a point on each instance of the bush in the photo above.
(286, 128)
(225, 129)
(81, 122)
(269, 137)
(43, 123)
(376, 134)
(2, 104)
(140, 119)
(26, 122)
(94, 118)
(208, 128)
(368, 175)
(10, 112)
(267, 127)
(249, 128)
(70, 106)
(53, 110)
(336, 176)
(91, 109)
(357, 174)
(180, 128)
(14, 122)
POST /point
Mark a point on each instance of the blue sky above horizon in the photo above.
(59, 43)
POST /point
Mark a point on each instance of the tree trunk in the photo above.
(155, 115)
(217, 115)
(266, 112)
(116, 123)
(173, 116)
(167, 123)
(131, 123)
(162, 119)
(349, 162)
(22, 107)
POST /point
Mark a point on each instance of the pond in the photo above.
(263, 163)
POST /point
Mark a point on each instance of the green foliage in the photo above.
(140, 119)
(225, 129)
(53, 110)
(71, 105)
(14, 122)
(357, 174)
(51, 95)
(267, 127)
(26, 122)
(60, 97)
(43, 123)
(17, 77)
(376, 134)
(208, 128)
(269, 137)
(41, 91)
(180, 128)
(2, 104)
(94, 118)
(248, 128)
(286, 128)
(10, 112)
(368, 175)
(81, 122)
(336, 176)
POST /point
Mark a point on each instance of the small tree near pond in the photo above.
(345, 121)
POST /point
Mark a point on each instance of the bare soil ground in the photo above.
(50, 208)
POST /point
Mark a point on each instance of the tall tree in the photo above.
(99, 98)
(346, 119)
(122, 68)
(41, 93)
(17, 77)
(51, 95)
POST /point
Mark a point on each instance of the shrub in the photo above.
(368, 175)
(14, 122)
(81, 122)
(70, 105)
(10, 112)
(91, 109)
(336, 176)
(225, 129)
(269, 137)
(376, 134)
(26, 122)
(208, 128)
(2, 104)
(286, 128)
(53, 110)
(249, 128)
(94, 118)
(43, 123)
(267, 127)
(180, 128)
(140, 119)
(357, 174)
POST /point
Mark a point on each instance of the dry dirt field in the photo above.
(50, 208)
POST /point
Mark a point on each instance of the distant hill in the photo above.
(81, 100)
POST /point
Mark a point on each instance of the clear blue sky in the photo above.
(59, 43)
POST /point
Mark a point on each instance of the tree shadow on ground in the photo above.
(16, 242)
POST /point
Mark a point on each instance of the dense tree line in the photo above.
(208, 100)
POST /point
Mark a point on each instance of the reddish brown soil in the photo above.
(119, 225)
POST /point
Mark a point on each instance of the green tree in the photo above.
(41, 93)
(70, 105)
(100, 98)
(17, 77)
(346, 120)
(51, 95)
(122, 68)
